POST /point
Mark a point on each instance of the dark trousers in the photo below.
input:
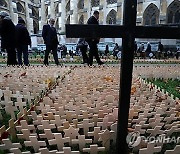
(11, 56)
(52, 48)
(84, 53)
(22, 49)
(93, 53)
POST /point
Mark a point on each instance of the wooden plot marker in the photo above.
(81, 141)
(59, 141)
(47, 134)
(7, 144)
(94, 149)
(46, 125)
(95, 134)
(176, 150)
(151, 149)
(71, 132)
(25, 134)
(85, 125)
(35, 143)
(105, 137)
(18, 151)
(9, 108)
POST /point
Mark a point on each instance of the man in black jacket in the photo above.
(7, 32)
(49, 35)
(22, 41)
(94, 41)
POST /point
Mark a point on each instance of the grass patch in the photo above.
(6, 118)
(171, 86)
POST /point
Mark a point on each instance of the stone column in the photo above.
(42, 12)
(73, 12)
(13, 11)
(62, 19)
(87, 6)
(52, 9)
(102, 12)
(29, 21)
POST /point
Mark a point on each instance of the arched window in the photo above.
(34, 13)
(81, 20)
(81, 4)
(151, 15)
(20, 8)
(111, 1)
(68, 6)
(68, 20)
(173, 12)
(95, 3)
(3, 3)
(111, 17)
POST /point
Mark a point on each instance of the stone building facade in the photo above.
(37, 12)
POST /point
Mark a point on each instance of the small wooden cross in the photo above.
(59, 141)
(174, 151)
(95, 134)
(105, 137)
(25, 134)
(9, 108)
(94, 149)
(47, 134)
(8, 145)
(81, 141)
(85, 125)
(35, 143)
(151, 149)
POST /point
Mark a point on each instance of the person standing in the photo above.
(7, 32)
(107, 50)
(116, 50)
(22, 41)
(83, 46)
(94, 41)
(49, 35)
(160, 49)
(148, 49)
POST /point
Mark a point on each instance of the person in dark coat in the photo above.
(83, 46)
(49, 35)
(22, 41)
(94, 41)
(7, 32)
(160, 50)
(148, 49)
(107, 50)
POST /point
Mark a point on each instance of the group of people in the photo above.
(143, 53)
(14, 38)
(17, 38)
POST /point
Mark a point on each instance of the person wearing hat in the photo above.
(22, 41)
(7, 33)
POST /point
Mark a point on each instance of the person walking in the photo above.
(7, 33)
(94, 41)
(49, 35)
(160, 50)
(22, 41)
(83, 46)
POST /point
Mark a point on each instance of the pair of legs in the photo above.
(23, 49)
(84, 53)
(52, 48)
(11, 56)
(94, 53)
